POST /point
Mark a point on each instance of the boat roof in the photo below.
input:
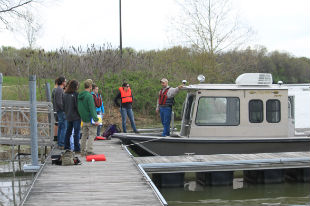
(235, 87)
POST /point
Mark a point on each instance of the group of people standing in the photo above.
(73, 107)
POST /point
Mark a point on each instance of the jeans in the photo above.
(76, 124)
(62, 127)
(98, 130)
(124, 113)
(165, 115)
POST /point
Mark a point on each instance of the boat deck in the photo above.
(224, 162)
(116, 181)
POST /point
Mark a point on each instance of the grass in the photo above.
(11, 80)
(17, 88)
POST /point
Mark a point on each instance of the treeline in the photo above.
(143, 69)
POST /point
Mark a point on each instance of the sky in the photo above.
(282, 25)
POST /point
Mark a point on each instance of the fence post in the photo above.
(49, 99)
(172, 123)
(48, 92)
(33, 127)
(1, 80)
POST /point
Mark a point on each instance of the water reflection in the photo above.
(13, 182)
(12, 190)
(238, 194)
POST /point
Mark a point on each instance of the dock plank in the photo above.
(116, 181)
(224, 162)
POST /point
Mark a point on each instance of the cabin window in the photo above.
(256, 112)
(218, 111)
(273, 111)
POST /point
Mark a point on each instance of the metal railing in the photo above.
(15, 123)
(24, 123)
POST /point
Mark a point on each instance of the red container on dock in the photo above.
(98, 157)
(100, 138)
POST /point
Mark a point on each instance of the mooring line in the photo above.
(144, 142)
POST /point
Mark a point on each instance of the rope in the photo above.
(144, 142)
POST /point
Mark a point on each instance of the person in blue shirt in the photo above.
(98, 104)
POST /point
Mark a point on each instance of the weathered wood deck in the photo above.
(224, 162)
(116, 181)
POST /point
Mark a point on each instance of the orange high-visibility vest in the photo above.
(126, 96)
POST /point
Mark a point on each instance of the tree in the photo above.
(210, 26)
(31, 29)
(13, 9)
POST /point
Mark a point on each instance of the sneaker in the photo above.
(60, 147)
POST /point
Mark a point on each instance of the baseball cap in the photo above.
(164, 80)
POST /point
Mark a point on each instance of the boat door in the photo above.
(188, 114)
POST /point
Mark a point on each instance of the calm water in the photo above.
(12, 192)
(194, 194)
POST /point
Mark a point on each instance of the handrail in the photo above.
(15, 122)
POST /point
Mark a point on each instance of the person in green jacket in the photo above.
(87, 111)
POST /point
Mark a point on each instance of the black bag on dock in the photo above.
(56, 159)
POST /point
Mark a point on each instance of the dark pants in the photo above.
(165, 115)
(62, 127)
(76, 124)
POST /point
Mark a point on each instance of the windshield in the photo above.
(218, 111)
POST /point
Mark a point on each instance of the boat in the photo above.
(251, 116)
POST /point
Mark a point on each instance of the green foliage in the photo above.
(144, 87)
(11, 80)
(142, 70)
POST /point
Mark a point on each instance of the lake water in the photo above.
(13, 189)
(193, 194)
(12, 192)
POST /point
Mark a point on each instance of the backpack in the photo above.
(111, 129)
(66, 158)
(98, 100)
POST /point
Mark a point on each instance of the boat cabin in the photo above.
(253, 107)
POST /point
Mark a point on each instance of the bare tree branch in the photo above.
(210, 25)
(12, 8)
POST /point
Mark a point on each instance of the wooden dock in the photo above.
(224, 162)
(116, 181)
